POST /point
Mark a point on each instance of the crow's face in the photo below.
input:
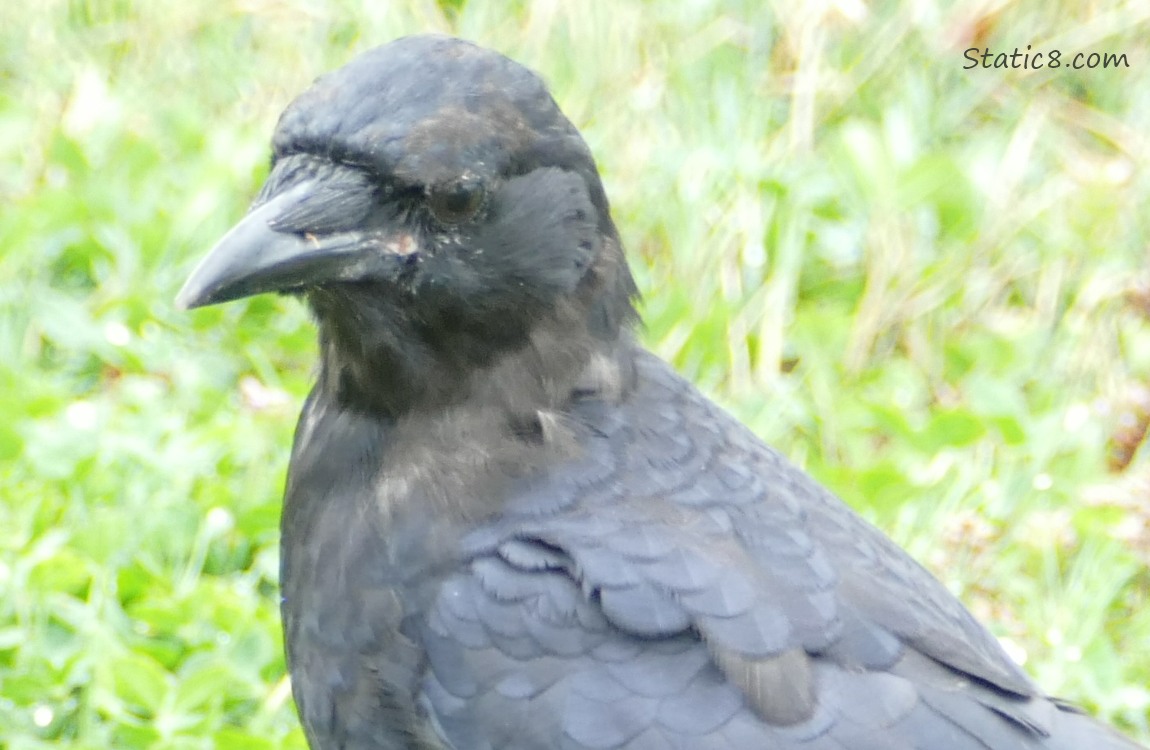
(432, 188)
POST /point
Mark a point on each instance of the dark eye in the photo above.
(455, 203)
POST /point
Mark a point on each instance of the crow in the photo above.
(507, 525)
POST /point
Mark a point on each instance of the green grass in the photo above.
(924, 284)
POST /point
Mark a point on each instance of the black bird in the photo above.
(507, 525)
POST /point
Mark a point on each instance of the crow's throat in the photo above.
(378, 358)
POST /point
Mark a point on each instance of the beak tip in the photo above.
(185, 300)
(194, 295)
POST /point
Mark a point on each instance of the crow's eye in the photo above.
(456, 202)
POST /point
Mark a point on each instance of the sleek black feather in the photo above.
(508, 526)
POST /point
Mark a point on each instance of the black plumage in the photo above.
(508, 526)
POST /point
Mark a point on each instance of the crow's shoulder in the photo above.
(678, 563)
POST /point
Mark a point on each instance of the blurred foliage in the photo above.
(926, 284)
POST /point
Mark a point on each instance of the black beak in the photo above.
(254, 258)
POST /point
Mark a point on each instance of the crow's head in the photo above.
(438, 212)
